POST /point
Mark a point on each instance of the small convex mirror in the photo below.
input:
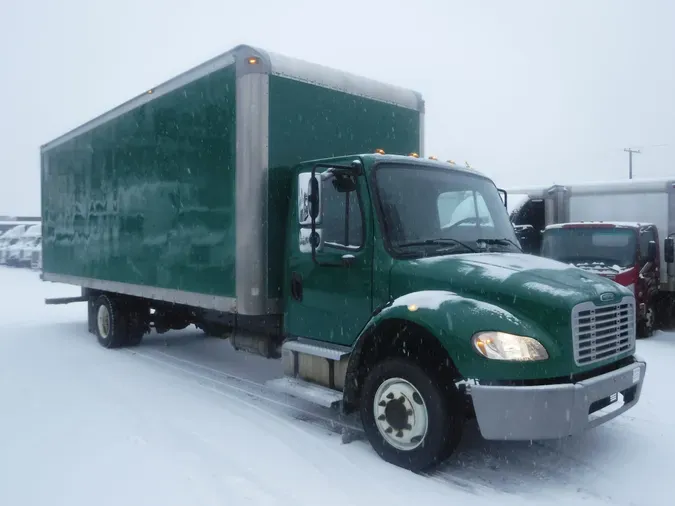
(306, 238)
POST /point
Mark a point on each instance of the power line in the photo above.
(654, 146)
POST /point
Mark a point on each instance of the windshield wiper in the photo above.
(437, 242)
(501, 242)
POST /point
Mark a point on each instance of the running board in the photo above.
(317, 348)
(316, 394)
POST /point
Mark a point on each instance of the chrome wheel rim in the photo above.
(103, 321)
(401, 415)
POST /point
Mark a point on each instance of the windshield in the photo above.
(579, 246)
(437, 206)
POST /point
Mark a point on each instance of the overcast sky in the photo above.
(529, 92)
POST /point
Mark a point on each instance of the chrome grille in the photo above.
(602, 332)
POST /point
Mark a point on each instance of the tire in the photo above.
(137, 325)
(411, 395)
(134, 338)
(645, 327)
(109, 323)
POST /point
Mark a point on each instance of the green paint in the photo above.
(148, 197)
(516, 293)
(337, 301)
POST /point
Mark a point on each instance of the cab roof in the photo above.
(372, 158)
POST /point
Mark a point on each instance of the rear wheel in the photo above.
(409, 418)
(109, 324)
(117, 323)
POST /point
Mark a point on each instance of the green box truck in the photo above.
(236, 197)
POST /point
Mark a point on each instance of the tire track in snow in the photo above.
(254, 394)
(317, 417)
(492, 475)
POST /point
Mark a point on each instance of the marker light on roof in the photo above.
(433, 158)
(379, 151)
(451, 161)
(253, 60)
(414, 155)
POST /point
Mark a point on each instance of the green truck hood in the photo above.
(513, 280)
(538, 291)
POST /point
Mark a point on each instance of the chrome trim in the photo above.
(189, 76)
(271, 63)
(204, 301)
(602, 332)
(225, 304)
(252, 165)
(326, 77)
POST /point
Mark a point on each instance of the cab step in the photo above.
(310, 392)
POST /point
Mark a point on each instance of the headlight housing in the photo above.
(495, 345)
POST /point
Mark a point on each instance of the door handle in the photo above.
(296, 286)
(348, 259)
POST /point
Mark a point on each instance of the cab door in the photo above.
(329, 297)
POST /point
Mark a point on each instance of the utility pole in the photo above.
(630, 160)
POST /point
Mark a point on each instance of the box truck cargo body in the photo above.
(286, 207)
(149, 197)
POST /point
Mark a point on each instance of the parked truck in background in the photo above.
(625, 252)
(10, 236)
(238, 198)
(622, 230)
(19, 253)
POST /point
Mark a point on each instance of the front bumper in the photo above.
(526, 413)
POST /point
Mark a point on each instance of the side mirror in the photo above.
(669, 250)
(309, 199)
(504, 196)
(651, 251)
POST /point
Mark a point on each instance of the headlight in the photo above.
(503, 346)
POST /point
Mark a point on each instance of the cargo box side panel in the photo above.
(310, 122)
(147, 198)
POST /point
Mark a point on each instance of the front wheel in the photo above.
(410, 420)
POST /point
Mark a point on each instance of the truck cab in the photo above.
(409, 298)
(626, 253)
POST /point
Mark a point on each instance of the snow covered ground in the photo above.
(182, 421)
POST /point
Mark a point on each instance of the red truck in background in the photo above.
(624, 252)
(619, 229)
